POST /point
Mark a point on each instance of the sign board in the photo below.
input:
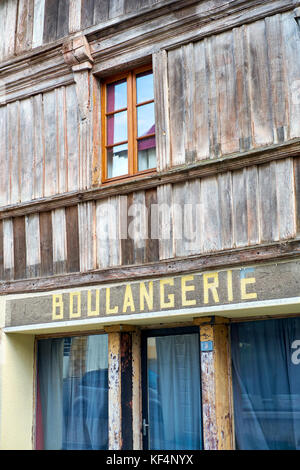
(188, 291)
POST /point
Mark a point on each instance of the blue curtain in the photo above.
(266, 384)
(174, 393)
(73, 382)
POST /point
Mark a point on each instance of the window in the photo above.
(72, 393)
(128, 125)
(266, 384)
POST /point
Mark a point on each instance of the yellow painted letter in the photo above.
(110, 310)
(170, 303)
(229, 286)
(244, 282)
(72, 313)
(96, 312)
(148, 296)
(57, 304)
(128, 299)
(185, 289)
(212, 286)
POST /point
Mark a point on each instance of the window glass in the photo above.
(174, 396)
(146, 154)
(72, 393)
(117, 128)
(117, 161)
(144, 87)
(116, 96)
(145, 120)
(266, 384)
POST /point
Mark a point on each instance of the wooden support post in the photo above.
(216, 383)
(120, 381)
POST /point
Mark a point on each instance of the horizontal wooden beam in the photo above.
(237, 257)
(179, 174)
(121, 41)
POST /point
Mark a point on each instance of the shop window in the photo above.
(172, 389)
(266, 384)
(128, 125)
(72, 393)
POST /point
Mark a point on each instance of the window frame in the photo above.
(132, 137)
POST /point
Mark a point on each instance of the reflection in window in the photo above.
(266, 383)
(129, 144)
(72, 393)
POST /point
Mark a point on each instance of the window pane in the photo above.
(266, 384)
(146, 121)
(117, 128)
(116, 96)
(144, 87)
(146, 154)
(117, 161)
(174, 396)
(73, 393)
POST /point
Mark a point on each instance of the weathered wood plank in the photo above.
(19, 247)
(4, 158)
(127, 243)
(210, 211)
(101, 11)
(33, 246)
(162, 120)
(62, 28)
(226, 93)
(136, 391)
(239, 197)
(74, 16)
(165, 225)
(116, 8)
(216, 386)
(291, 40)
(26, 144)
(1, 251)
(38, 23)
(190, 116)
(8, 249)
(152, 244)
(46, 240)
(285, 198)
(59, 236)
(39, 147)
(50, 20)
(242, 89)
(278, 83)
(10, 28)
(13, 122)
(73, 261)
(50, 130)
(114, 391)
(297, 193)
(107, 232)
(268, 202)
(72, 139)
(260, 96)
(176, 96)
(126, 395)
(226, 205)
(252, 195)
(87, 238)
(87, 13)
(201, 101)
(24, 28)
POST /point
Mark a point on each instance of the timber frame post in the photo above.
(217, 410)
(121, 391)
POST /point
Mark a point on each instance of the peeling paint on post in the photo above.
(136, 391)
(114, 393)
(216, 383)
(126, 387)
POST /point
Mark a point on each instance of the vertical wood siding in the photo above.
(232, 92)
(25, 24)
(46, 148)
(259, 204)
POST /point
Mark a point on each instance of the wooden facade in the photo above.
(226, 191)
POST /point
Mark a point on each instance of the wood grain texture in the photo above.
(19, 247)
(72, 229)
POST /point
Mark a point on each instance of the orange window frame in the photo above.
(132, 137)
